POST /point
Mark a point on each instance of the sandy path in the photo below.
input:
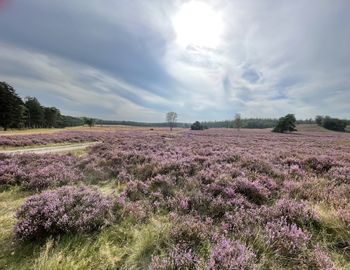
(49, 149)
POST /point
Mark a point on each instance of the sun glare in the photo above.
(198, 24)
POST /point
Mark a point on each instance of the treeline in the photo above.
(332, 123)
(250, 123)
(29, 113)
(140, 124)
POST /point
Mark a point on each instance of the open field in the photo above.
(214, 199)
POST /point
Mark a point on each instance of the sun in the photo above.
(198, 24)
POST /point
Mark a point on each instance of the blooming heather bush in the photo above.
(258, 166)
(321, 260)
(37, 172)
(231, 255)
(294, 212)
(180, 257)
(319, 164)
(340, 174)
(287, 240)
(65, 210)
(253, 191)
(190, 230)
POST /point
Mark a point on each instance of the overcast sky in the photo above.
(205, 60)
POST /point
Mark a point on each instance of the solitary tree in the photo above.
(89, 121)
(10, 107)
(197, 126)
(237, 122)
(171, 118)
(286, 123)
(319, 120)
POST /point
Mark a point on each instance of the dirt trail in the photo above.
(49, 149)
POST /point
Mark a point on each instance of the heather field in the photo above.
(217, 199)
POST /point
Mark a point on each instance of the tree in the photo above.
(10, 106)
(89, 121)
(319, 120)
(237, 122)
(35, 112)
(197, 126)
(171, 118)
(51, 116)
(286, 123)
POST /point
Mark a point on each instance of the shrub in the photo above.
(180, 257)
(253, 191)
(294, 212)
(320, 260)
(319, 164)
(190, 230)
(288, 240)
(65, 210)
(231, 255)
(37, 172)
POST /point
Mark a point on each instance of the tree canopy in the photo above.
(10, 107)
(286, 124)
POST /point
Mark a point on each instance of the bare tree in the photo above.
(171, 118)
(237, 122)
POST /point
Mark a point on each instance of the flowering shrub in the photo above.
(65, 210)
(190, 230)
(319, 164)
(321, 260)
(230, 255)
(287, 240)
(294, 212)
(180, 257)
(253, 191)
(37, 172)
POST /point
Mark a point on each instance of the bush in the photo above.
(253, 191)
(65, 210)
(288, 240)
(38, 172)
(180, 257)
(231, 255)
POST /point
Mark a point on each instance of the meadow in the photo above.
(155, 199)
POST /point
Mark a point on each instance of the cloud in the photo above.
(274, 57)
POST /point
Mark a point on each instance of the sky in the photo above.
(206, 60)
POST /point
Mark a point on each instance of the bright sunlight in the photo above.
(198, 24)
